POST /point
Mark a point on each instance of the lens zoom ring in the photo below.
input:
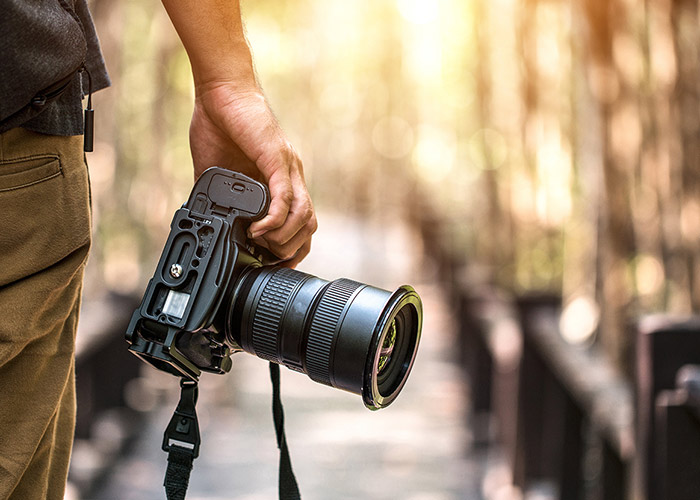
(268, 313)
(323, 327)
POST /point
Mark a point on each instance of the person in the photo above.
(49, 59)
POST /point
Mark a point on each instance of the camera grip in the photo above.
(231, 195)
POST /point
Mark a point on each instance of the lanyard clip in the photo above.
(183, 429)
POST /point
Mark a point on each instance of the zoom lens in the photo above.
(341, 333)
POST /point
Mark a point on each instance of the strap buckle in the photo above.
(183, 429)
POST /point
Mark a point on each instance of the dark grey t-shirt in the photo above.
(43, 42)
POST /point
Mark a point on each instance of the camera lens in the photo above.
(341, 333)
(400, 332)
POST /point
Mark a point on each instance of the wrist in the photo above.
(232, 67)
(222, 92)
(213, 36)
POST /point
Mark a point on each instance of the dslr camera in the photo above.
(214, 293)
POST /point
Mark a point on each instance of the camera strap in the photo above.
(288, 488)
(181, 440)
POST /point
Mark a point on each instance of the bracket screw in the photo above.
(176, 270)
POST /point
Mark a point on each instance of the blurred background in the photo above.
(532, 167)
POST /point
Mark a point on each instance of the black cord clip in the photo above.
(181, 440)
(89, 117)
(183, 429)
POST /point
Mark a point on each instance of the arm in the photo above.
(233, 126)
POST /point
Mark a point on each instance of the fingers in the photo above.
(291, 222)
(292, 250)
(282, 193)
(292, 240)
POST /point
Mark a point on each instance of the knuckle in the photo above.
(312, 225)
(286, 195)
(274, 241)
(286, 253)
(289, 153)
(307, 214)
(309, 229)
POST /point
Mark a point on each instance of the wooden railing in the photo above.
(571, 422)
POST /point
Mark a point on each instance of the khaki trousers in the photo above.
(44, 243)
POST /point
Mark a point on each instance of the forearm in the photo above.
(213, 36)
(233, 126)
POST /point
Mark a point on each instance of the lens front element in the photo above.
(387, 347)
(398, 333)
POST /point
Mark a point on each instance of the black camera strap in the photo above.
(288, 488)
(181, 440)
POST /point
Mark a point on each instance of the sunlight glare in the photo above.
(419, 11)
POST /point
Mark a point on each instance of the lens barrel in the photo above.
(341, 333)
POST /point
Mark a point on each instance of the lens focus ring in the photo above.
(268, 316)
(324, 324)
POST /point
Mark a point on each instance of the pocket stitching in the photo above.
(32, 157)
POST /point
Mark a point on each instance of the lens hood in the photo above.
(402, 317)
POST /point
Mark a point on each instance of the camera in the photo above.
(215, 293)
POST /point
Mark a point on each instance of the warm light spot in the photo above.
(435, 152)
(625, 132)
(423, 55)
(419, 11)
(626, 53)
(548, 53)
(553, 198)
(579, 320)
(649, 274)
(662, 53)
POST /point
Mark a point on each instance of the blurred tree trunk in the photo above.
(686, 106)
(497, 242)
(617, 244)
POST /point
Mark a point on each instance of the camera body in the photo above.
(205, 253)
(214, 293)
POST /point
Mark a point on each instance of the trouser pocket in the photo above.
(44, 202)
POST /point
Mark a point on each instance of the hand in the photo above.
(234, 128)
